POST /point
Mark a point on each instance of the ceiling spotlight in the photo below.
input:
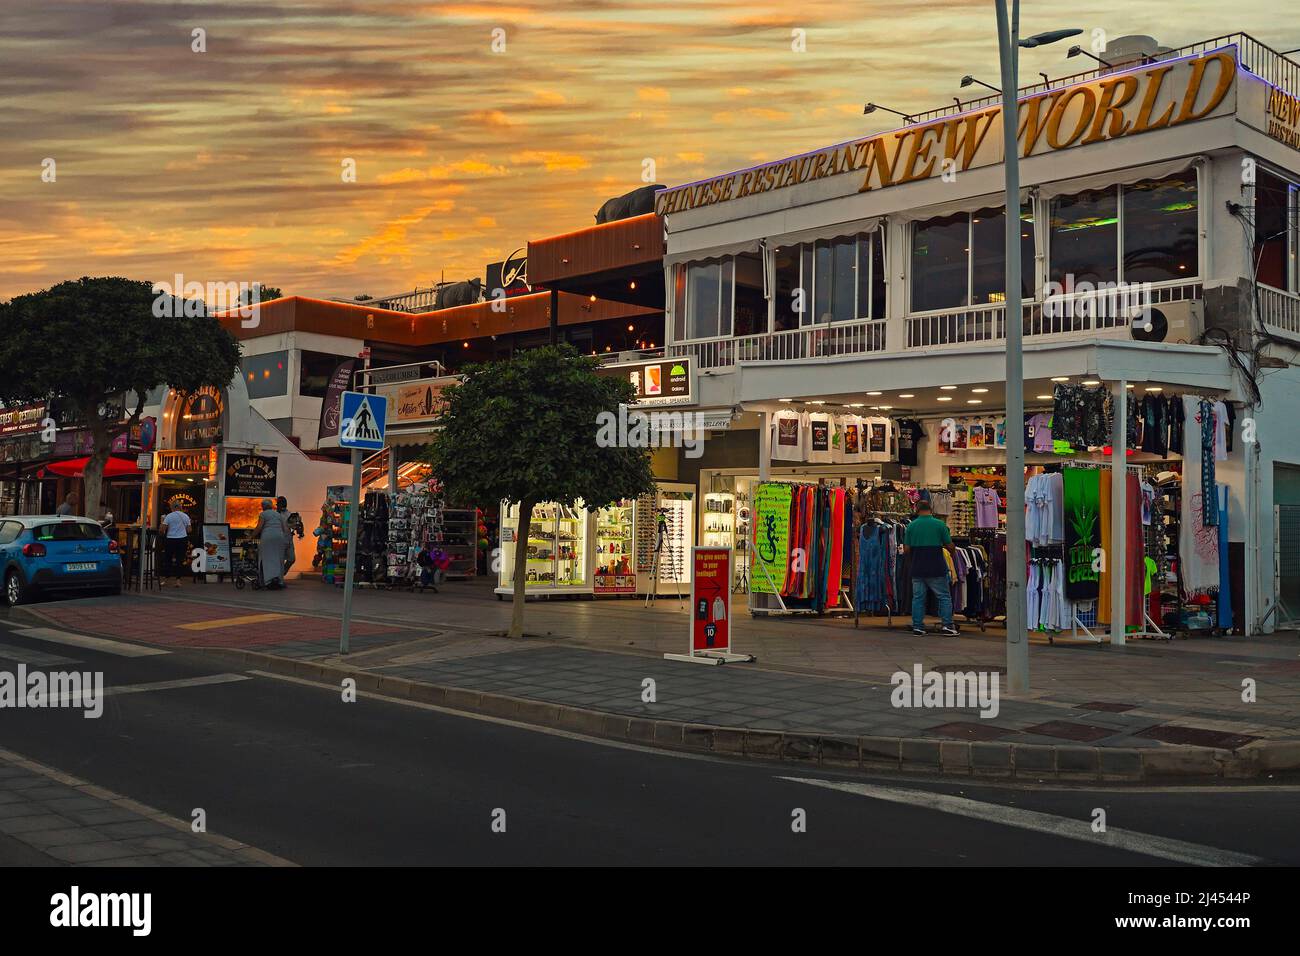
(1154, 388)
(875, 393)
(1091, 381)
(1060, 378)
(948, 388)
(974, 401)
(1043, 398)
(906, 395)
(979, 391)
(944, 398)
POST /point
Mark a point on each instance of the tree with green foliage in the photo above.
(524, 431)
(93, 344)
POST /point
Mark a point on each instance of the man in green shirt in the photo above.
(925, 542)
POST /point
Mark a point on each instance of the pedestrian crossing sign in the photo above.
(362, 420)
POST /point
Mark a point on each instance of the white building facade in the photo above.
(1159, 251)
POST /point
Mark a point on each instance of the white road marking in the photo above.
(204, 681)
(101, 644)
(1162, 848)
(24, 655)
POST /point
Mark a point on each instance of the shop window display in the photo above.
(615, 548)
(556, 549)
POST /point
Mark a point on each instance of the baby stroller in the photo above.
(247, 569)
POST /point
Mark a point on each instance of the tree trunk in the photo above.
(521, 568)
(92, 479)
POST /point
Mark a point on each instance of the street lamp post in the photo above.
(1009, 44)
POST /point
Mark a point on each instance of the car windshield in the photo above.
(68, 531)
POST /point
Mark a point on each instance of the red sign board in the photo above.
(711, 599)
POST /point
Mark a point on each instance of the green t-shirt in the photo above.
(926, 536)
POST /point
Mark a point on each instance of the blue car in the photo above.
(47, 553)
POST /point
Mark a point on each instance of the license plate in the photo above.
(82, 566)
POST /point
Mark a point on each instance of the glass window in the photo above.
(703, 289)
(940, 251)
(804, 303)
(988, 255)
(679, 303)
(786, 269)
(9, 531)
(266, 375)
(68, 531)
(315, 371)
(1272, 214)
(843, 280)
(751, 307)
(1084, 243)
(871, 276)
(1160, 229)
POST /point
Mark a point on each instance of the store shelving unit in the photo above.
(615, 538)
(459, 540)
(559, 560)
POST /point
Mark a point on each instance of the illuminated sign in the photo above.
(1159, 96)
(184, 462)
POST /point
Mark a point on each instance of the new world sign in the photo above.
(1159, 96)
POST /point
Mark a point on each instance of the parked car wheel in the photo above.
(16, 590)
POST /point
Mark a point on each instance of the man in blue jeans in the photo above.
(925, 542)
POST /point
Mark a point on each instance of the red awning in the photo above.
(76, 468)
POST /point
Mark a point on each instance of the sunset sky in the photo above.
(226, 165)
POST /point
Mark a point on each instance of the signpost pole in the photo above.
(353, 517)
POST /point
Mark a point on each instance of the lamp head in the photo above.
(869, 108)
(1051, 36)
(967, 80)
(1073, 51)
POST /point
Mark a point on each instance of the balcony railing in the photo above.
(1279, 310)
(1075, 316)
(810, 342)
(1268, 64)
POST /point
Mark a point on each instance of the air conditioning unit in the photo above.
(1180, 323)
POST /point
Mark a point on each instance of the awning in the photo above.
(76, 468)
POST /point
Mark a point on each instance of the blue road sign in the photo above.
(362, 420)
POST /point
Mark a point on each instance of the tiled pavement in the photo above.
(76, 823)
(736, 696)
(812, 674)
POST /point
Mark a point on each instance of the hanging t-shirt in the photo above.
(877, 439)
(821, 434)
(789, 438)
(1000, 433)
(986, 507)
(1040, 431)
(1220, 431)
(910, 431)
(849, 447)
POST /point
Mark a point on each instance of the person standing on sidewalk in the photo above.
(925, 542)
(176, 540)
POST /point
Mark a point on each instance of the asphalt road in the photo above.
(292, 769)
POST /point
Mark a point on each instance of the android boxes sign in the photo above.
(658, 382)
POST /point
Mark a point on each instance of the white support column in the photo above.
(764, 445)
(1116, 561)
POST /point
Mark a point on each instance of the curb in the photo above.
(1066, 762)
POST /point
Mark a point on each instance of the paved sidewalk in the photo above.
(811, 676)
(76, 823)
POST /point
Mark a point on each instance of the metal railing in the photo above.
(1279, 310)
(1077, 315)
(810, 342)
(1255, 57)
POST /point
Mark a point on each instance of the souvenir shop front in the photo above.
(632, 547)
(218, 458)
(823, 533)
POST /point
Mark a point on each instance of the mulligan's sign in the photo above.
(1158, 96)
